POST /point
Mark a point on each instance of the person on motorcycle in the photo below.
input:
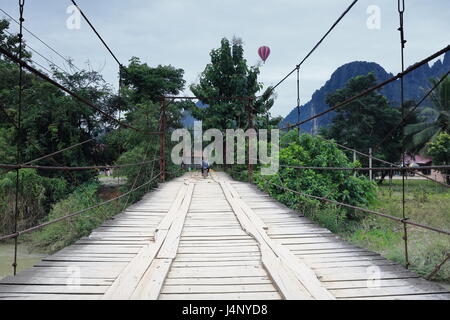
(205, 167)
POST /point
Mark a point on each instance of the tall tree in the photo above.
(226, 76)
(51, 120)
(436, 119)
(440, 151)
(140, 99)
(365, 122)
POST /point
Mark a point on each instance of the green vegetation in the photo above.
(435, 119)
(426, 203)
(36, 193)
(228, 75)
(362, 123)
(439, 149)
(52, 120)
(61, 234)
(307, 150)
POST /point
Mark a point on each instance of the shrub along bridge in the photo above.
(214, 238)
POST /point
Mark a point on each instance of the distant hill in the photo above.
(414, 84)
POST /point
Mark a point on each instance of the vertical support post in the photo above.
(250, 126)
(162, 142)
(298, 98)
(354, 160)
(370, 164)
(401, 10)
(19, 133)
(120, 135)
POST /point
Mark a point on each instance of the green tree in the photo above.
(339, 185)
(439, 149)
(436, 118)
(140, 99)
(226, 76)
(51, 120)
(365, 122)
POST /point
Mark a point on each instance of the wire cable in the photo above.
(361, 209)
(411, 111)
(99, 36)
(317, 44)
(43, 42)
(371, 89)
(71, 93)
(40, 226)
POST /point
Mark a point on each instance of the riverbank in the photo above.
(25, 258)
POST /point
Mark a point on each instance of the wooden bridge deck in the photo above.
(196, 238)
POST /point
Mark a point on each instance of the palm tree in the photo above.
(436, 119)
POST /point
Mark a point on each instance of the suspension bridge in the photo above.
(214, 238)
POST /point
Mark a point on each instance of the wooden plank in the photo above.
(210, 289)
(126, 283)
(216, 272)
(46, 289)
(440, 296)
(303, 277)
(150, 286)
(385, 291)
(170, 246)
(35, 280)
(223, 296)
(218, 281)
(283, 277)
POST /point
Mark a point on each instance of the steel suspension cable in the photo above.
(390, 133)
(19, 132)
(298, 97)
(43, 42)
(61, 168)
(401, 10)
(361, 209)
(317, 44)
(98, 35)
(439, 167)
(371, 89)
(71, 93)
(18, 233)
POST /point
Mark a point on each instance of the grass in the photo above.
(427, 203)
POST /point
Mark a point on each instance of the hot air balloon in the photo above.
(264, 53)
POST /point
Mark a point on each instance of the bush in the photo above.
(35, 194)
(64, 233)
(338, 185)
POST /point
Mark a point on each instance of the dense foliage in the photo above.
(363, 123)
(339, 185)
(228, 75)
(51, 120)
(435, 119)
(439, 149)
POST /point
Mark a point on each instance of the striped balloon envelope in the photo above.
(264, 52)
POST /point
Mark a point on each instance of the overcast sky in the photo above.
(183, 32)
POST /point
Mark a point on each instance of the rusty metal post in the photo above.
(162, 143)
(250, 126)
